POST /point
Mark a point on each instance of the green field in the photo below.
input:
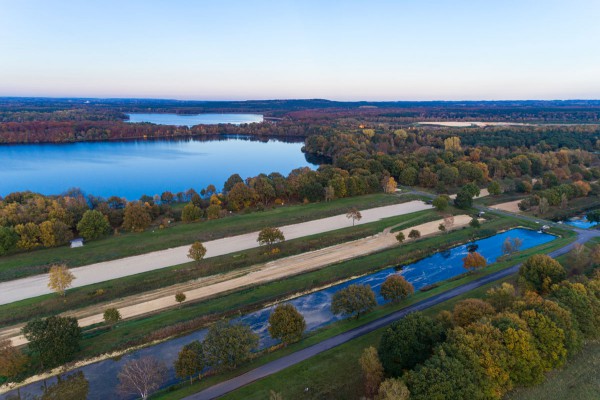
(128, 244)
(114, 289)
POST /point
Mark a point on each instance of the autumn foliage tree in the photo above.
(372, 371)
(354, 215)
(474, 261)
(396, 288)
(539, 272)
(60, 279)
(12, 361)
(136, 217)
(286, 324)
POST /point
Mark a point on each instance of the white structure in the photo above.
(76, 243)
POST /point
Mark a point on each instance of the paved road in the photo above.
(273, 367)
(34, 286)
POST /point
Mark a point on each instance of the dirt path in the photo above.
(205, 288)
(38, 285)
(511, 206)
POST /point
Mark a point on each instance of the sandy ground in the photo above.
(482, 193)
(154, 301)
(38, 285)
(463, 124)
(511, 206)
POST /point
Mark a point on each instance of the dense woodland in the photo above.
(364, 150)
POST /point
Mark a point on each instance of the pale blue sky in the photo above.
(340, 50)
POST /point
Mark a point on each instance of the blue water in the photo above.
(131, 169)
(315, 307)
(191, 120)
(581, 222)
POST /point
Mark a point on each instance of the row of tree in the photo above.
(484, 348)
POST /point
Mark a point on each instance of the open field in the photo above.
(510, 206)
(142, 284)
(34, 286)
(130, 244)
(271, 271)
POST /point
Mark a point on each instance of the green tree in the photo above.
(112, 316)
(286, 324)
(494, 188)
(409, 176)
(227, 345)
(408, 342)
(393, 389)
(54, 339)
(372, 371)
(190, 361)
(463, 200)
(443, 377)
(270, 236)
(180, 297)
(191, 213)
(396, 288)
(8, 239)
(231, 182)
(197, 252)
(353, 300)
(471, 189)
(539, 272)
(400, 237)
(474, 223)
(414, 234)
(440, 203)
(468, 311)
(93, 225)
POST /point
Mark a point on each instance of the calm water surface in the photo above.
(191, 120)
(315, 307)
(131, 169)
(581, 222)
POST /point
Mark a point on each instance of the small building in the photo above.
(545, 228)
(481, 213)
(76, 243)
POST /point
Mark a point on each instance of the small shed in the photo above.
(76, 243)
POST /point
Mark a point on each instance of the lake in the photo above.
(191, 120)
(315, 307)
(133, 168)
(581, 222)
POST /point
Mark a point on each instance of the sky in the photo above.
(338, 50)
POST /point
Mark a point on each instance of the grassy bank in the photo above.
(310, 371)
(129, 244)
(114, 289)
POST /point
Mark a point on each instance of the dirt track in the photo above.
(150, 302)
(38, 285)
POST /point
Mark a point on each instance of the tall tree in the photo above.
(396, 288)
(54, 339)
(474, 261)
(190, 361)
(93, 225)
(227, 345)
(353, 300)
(286, 324)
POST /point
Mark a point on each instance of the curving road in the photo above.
(273, 367)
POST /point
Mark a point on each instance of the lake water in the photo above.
(191, 120)
(581, 222)
(315, 307)
(133, 168)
